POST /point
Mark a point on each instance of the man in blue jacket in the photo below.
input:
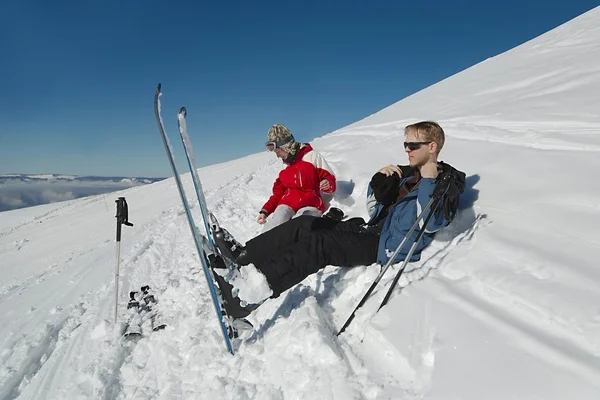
(282, 257)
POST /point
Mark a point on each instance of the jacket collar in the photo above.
(304, 148)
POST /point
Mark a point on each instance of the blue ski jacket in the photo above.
(400, 219)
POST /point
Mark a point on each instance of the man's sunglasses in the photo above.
(271, 146)
(414, 145)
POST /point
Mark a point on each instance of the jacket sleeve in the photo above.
(273, 202)
(324, 171)
(425, 190)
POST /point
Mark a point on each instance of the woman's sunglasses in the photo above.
(414, 145)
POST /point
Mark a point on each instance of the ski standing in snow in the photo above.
(209, 254)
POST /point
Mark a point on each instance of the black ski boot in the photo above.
(232, 304)
(227, 245)
(243, 258)
(216, 262)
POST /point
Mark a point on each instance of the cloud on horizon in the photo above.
(21, 195)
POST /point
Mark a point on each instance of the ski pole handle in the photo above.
(122, 211)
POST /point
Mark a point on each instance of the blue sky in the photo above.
(78, 77)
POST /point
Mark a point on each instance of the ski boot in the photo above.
(234, 307)
(228, 247)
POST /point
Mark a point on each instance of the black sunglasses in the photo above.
(414, 145)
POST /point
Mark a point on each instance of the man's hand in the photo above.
(262, 218)
(429, 170)
(390, 170)
(324, 185)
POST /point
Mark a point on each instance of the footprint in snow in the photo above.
(20, 243)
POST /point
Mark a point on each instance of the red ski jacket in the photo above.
(298, 184)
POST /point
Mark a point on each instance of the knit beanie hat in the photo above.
(283, 138)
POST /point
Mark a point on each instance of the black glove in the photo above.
(385, 188)
(335, 214)
(450, 184)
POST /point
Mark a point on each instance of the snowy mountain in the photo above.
(26, 190)
(504, 304)
(54, 178)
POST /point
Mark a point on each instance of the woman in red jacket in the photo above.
(297, 189)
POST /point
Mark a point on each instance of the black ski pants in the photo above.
(302, 246)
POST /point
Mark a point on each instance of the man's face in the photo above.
(422, 152)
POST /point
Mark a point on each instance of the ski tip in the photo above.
(183, 111)
(158, 87)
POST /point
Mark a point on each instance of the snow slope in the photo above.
(505, 303)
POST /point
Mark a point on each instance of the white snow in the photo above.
(505, 304)
(251, 285)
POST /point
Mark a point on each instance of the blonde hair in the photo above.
(428, 131)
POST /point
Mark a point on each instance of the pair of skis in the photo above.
(205, 245)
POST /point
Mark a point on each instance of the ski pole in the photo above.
(122, 219)
(385, 267)
(442, 186)
(409, 255)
